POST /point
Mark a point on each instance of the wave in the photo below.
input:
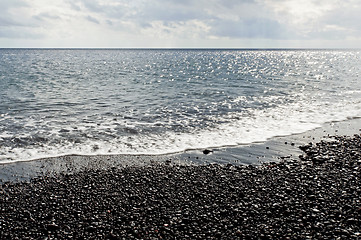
(235, 129)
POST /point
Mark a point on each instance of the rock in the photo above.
(207, 151)
(52, 227)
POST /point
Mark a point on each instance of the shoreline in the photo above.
(277, 148)
(273, 150)
(316, 196)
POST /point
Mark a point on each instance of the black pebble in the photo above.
(207, 151)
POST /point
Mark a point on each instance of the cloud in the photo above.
(319, 19)
(5, 22)
(338, 24)
(19, 34)
(74, 5)
(224, 18)
(7, 19)
(158, 21)
(94, 5)
(171, 11)
(14, 25)
(92, 19)
(45, 16)
(112, 9)
(6, 5)
(250, 28)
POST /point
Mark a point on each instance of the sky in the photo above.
(180, 24)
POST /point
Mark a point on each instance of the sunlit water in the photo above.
(59, 102)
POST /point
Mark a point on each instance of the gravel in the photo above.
(317, 196)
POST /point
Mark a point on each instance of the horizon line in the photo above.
(175, 48)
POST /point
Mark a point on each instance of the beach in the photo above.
(312, 196)
(180, 144)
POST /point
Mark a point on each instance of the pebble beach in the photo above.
(314, 196)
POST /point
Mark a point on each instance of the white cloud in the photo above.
(319, 18)
(173, 23)
(92, 19)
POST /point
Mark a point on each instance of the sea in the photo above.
(57, 102)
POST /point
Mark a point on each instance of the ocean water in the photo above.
(92, 102)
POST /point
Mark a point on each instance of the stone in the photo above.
(207, 151)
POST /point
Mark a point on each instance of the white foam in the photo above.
(256, 126)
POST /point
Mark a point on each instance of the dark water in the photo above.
(58, 102)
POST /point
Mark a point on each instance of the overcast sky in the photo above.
(181, 23)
